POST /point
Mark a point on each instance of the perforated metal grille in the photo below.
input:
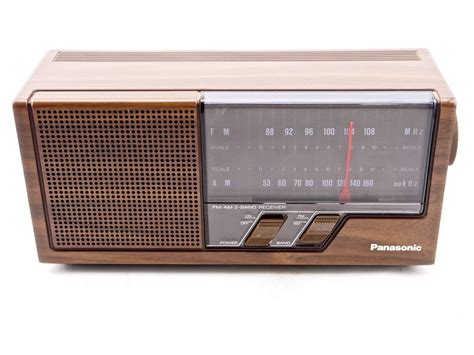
(119, 178)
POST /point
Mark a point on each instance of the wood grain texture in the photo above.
(246, 75)
(351, 246)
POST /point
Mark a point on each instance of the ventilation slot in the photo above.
(393, 55)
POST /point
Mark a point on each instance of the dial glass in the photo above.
(317, 146)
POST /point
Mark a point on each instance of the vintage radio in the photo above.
(304, 158)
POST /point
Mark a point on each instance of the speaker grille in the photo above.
(117, 178)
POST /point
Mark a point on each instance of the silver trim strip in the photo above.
(318, 97)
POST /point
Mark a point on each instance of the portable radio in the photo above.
(304, 158)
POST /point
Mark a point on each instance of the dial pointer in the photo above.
(345, 194)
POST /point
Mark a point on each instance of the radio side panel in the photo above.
(30, 170)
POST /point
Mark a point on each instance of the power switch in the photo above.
(321, 228)
(265, 230)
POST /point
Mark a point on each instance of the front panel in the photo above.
(221, 171)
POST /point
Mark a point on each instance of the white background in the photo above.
(54, 309)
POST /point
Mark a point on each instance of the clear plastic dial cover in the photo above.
(312, 147)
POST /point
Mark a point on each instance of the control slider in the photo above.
(320, 228)
(266, 229)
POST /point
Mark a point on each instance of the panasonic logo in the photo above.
(377, 247)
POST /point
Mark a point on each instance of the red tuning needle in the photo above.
(345, 194)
